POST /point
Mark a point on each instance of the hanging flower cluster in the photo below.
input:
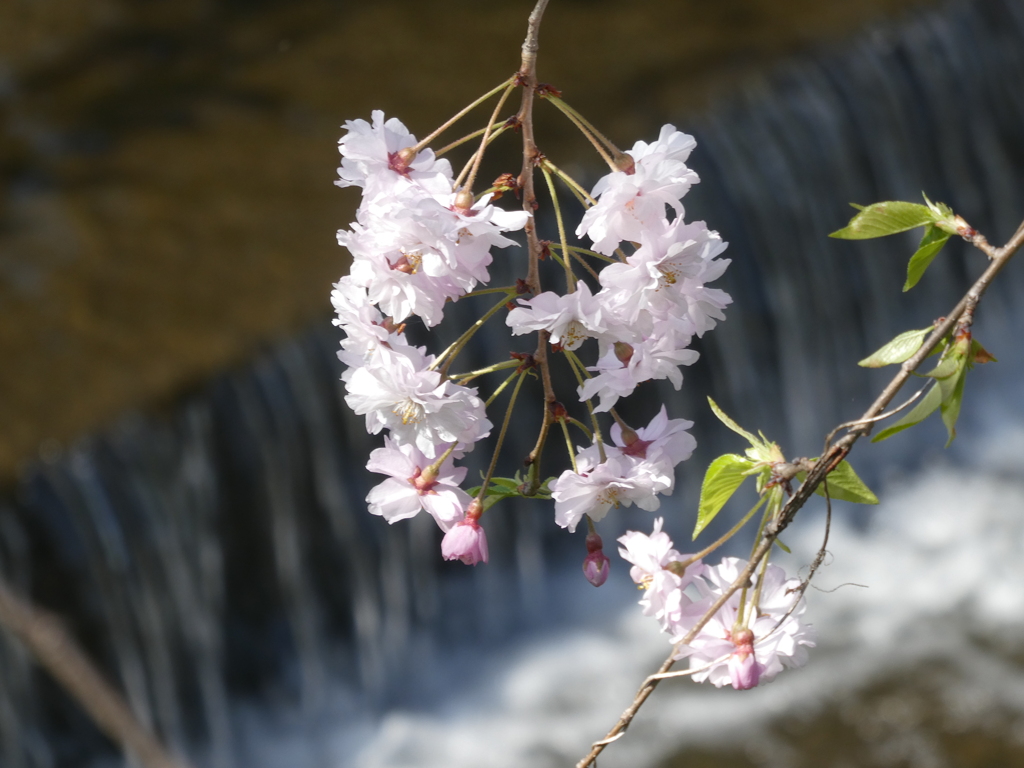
(422, 239)
(756, 634)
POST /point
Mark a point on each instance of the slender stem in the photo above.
(582, 427)
(576, 364)
(592, 254)
(579, 259)
(572, 111)
(463, 378)
(456, 346)
(479, 154)
(581, 194)
(576, 120)
(501, 437)
(724, 538)
(462, 113)
(500, 389)
(58, 653)
(568, 445)
(570, 278)
(829, 460)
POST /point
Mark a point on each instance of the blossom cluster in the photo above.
(415, 245)
(420, 241)
(650, 306)
(741, 648)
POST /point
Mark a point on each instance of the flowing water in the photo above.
(220, 563)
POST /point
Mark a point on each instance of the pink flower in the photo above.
(570, 319)
(664, 597)
(776, 637)
(410, 489)
(466, 541)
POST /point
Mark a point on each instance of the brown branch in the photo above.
(961, 314)
(528, 80)
(57, 652)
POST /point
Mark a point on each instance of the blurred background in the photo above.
(182, 485)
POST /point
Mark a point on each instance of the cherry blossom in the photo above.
(401, 393)
(570, 319)
(412, 486)
(774, 638)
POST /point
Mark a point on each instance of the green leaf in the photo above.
(783, 547)
(928, 405)
(952, 397)
(732, 424)
(886, 218)
(724, 476)
(899, 350)
(932, 242)
(844, 485)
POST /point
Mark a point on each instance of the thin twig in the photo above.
(58, 653)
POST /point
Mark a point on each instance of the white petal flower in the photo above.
(570, 319)
(597, 486)
(409, 489)
(777, 637)
(400, 393)
(631, 203)
(664, 596)
(371, 159)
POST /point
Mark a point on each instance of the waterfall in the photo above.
(219, 558)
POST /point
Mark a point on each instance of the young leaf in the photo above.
(844, 485)
(732, 424)
(928, 405)
(899, 350)
(724, 476)
(932, 242)
(886, 218)
(951, 400)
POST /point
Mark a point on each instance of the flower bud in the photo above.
(596, 564)
(466, 541)
(744, 671)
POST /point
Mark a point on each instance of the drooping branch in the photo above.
(960, 316)
(58, 653)
(528, 80)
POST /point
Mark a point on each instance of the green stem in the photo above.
(501, 437)
(568, 444)
(500, 389)
(485, 291)
(462, 113)
(579, 123)
(724, 538)
(582, 427)
(581, 194)
(478, 156)
(463, 378)
(577, 366)
(456, 346)
(570, 278)
(573, 114)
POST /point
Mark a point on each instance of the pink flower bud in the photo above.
(466, 541)
(596, 564)
(744, 671)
